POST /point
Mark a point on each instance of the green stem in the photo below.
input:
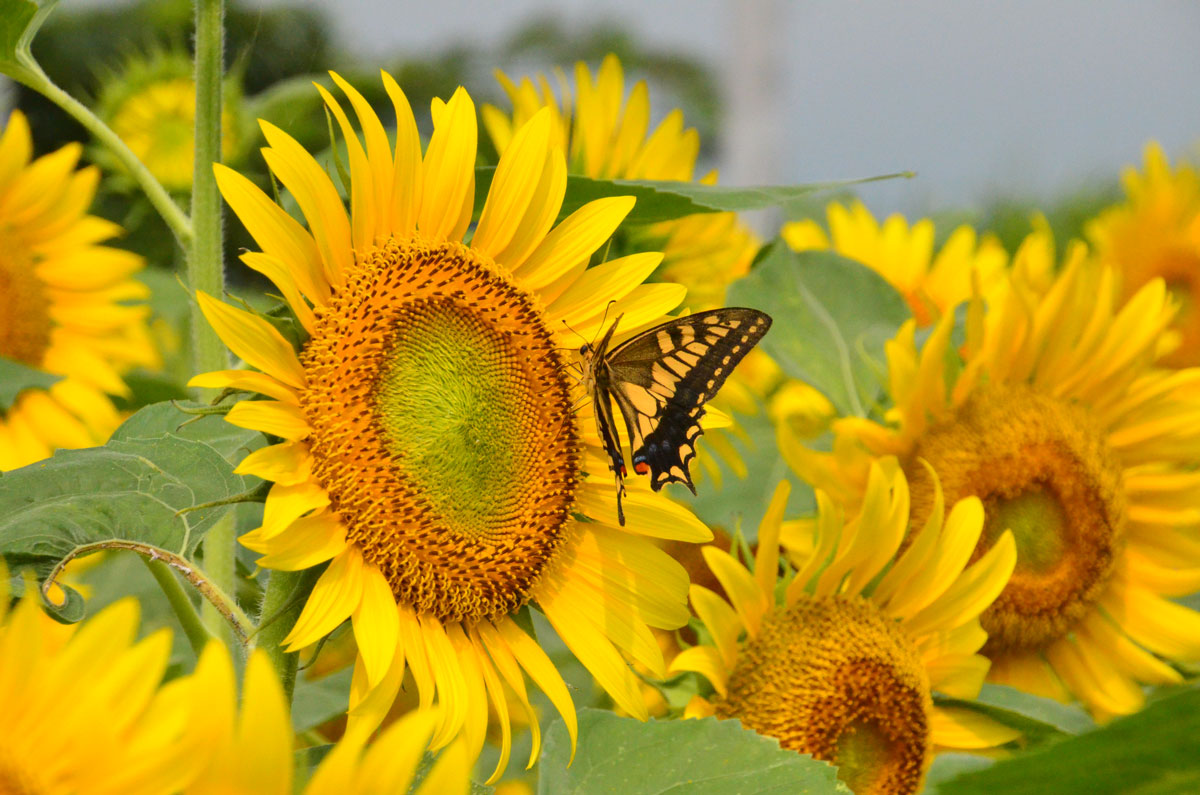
(205, 261)
(205, 264)
(185, 611)
(223, 602)
(219, 565)
(281, 608)
(33, 77)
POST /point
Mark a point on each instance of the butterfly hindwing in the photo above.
(661, 379)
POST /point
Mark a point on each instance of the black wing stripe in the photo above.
(661, 378)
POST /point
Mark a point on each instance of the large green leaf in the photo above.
(683, 757)
(1155, 750)
(319, 700)
(19, 21)
(131, 489)
(832, 317)
(659, 200)
(16, 378)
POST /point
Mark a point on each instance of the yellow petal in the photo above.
(245, 380)
(706, 661)
(449, 171)
(741, 587)
(646, 513)
(574, 240)
(539, 667)
(308, 542)
(270, 416)
(722, 622)
(288, 463)
(264, 731)
(610, 281)
(317, 197)
(335, 596)
(971, 593)
(766, 560)
(959, 727)
(516, 179)
(392, 759)
(286, 504)
(376, 624)
(597, 653)
(254, 340)
(406, 170)
(276, 232)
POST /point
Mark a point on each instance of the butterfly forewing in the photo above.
(661, 378)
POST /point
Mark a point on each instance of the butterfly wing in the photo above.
(661, 379)
(606, 426)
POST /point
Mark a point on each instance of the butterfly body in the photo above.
(660, 380)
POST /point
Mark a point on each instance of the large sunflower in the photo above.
(608, 136)
(432, 453)
(250, 750)
(845, 668)
(68, 306)
(83, 710)
(1061, 423)
(904, 255)
(1155, 234)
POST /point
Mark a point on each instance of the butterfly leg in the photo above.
(620, 494)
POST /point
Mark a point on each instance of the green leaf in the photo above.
(1155, 750)
(131, 489)
(16, 29)
(319, 700)
(659, 200)
(16, 378)
(832, 317)
(683, 757)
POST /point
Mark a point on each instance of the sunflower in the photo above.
(1155, 234)
(83, 709)
(904, 255)
(431, 449)
(64, 302)
(845, 667)
(250, 750)
(608, 137)
(151, 105)
(1062, 423)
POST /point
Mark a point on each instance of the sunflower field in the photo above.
(445, 425)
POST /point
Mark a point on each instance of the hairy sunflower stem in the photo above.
(185, 611)
(205, 265)
(239, 622)
(219, 564)
(280, 608)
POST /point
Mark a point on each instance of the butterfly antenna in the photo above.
(576, 333)
(603, 319)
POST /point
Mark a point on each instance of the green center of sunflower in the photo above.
(24, 311)
(1043, 470)
(442, 428)
(1038, 525)
(832, 677)
(452, 406)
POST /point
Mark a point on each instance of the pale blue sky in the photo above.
(1022, 97)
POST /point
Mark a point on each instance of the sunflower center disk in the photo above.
(1044, 472)
(24, 305)
(442, 428)
(833, 678)
(18, 779)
